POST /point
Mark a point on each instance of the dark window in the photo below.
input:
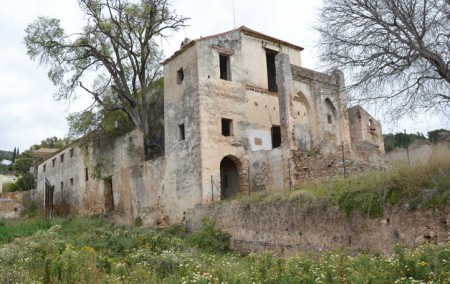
(71, 181)
(224, 61)
(62, 185)
(180, 76)
(44, 167)
(276, 136)
(53, 162)
(330, 119)
(271, 71)
(71, 153)
(62, 158)
(227, 127)
(181, 130)
(86, 174)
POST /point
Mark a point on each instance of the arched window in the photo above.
(331, 112)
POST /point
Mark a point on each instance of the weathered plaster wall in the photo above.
(320, 113)
(253, 59)
(182, 186)
(5, 179)
(367, 136)
(288, 227)
(266, 170)
(419, 153)
(106, 175)
(67, 196)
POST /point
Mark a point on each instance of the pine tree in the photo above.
(14, 155)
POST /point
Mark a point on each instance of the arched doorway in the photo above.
(229, 178)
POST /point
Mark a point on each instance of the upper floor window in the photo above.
(71, 153)
(224, 62)
(181, 130)
(276, 136)
(180, 76)
(53, 162)
(331, 111)
(271, 71)
(227, 127)
(44, 167)
(62, 158)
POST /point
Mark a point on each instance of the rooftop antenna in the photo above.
(234, 16)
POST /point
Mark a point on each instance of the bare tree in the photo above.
(118, 44)
(396, 51)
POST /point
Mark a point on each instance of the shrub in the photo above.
(209, 238)
(11, 187)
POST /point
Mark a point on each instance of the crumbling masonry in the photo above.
(238, 111)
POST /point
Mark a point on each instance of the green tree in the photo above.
(24, 162)
(53, 142)
(400, 139)
(14, 155)
(438, 135)
(118, 44)
(393, 51)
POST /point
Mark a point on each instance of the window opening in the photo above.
(86, 174)
(276, 136)
(182, 132)
(71, 153)
(53, 162)
(62, 185)
(44, 167)
(71, 181)
(330, 119)
(180, 76)
(224, 61)
(62, 158)
(227, 127)
(271, 71)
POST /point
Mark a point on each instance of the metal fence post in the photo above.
(212, 189)
(343, 160)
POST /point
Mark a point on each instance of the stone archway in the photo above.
(229, 177)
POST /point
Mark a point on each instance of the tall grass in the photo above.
(91, 250)
(426, 185)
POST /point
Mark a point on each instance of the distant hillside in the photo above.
(403, 140)
(8, 155)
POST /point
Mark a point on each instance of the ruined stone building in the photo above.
(238, 110)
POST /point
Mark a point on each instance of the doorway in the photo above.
(229, 178)
(108, 194)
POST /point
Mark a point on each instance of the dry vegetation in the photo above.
(424, 185)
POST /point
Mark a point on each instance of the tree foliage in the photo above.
(118, 44)
(396, 51)
(438, 135)
(400, 140)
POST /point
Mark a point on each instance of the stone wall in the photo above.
(287, 227)
(6, 179)
(419, 153)
(366, 135)
(14, 204)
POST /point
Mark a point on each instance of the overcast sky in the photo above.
(28, 113)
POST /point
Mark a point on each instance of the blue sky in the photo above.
(28, 113)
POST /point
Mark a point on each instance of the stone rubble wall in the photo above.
(13, 205)
(292, 226)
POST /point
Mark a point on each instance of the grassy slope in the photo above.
(426, 185)
(91, 250)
